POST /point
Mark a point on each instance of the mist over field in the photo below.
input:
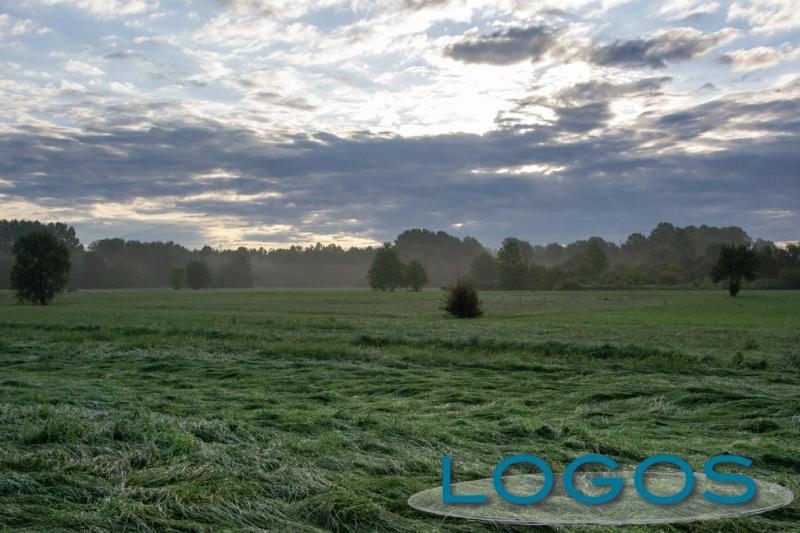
(668, 256)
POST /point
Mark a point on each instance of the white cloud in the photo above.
(532, 169)
(122, 87)
(67, 87)
(775, 213)
(767, 16)
(107, 9)
(17, 27)
(683, 9)
(79, 67)
(759, 57)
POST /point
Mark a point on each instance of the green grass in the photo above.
(318, 410)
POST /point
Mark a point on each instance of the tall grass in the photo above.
(325, 410)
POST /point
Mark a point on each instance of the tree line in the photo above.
(667, 256)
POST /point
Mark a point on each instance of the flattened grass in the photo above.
(324, 410)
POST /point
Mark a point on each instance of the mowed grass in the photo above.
(325, 410)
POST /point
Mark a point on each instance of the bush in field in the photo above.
(416, 276)
(177, 278)
(387, 272)
(198, 276)
(461, 300)
(41, 268)
(734, 263)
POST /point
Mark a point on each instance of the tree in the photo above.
(416, 275)
(483, 270)
(177, 278)
(790, 278)
(512, 269)
(595, 256)
(461, 300)
(444, 256)
(41, 268)
(198, 276)
(733, 264)
(11, 230)
(236, 273)
(537, 277)
(387, 272)
(93, 272)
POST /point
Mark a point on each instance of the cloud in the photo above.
(106, 9)
(121, 54)
(122, 87)
(662, 167)
(79, 67)
(293, 102)
(759, 57)
(583, 118)
(285, 118)
(17, 27)
(506, 46)
(685, 9)
(416, 5)
(275, 9)
(516, 44)
(654, 51)
(67, 88)
(605, 90)
(767, 16)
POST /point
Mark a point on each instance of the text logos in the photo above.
(616, 484)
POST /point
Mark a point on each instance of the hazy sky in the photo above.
(271, 122)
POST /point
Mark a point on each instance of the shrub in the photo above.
(461, 300)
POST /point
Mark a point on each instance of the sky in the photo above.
(276, 122)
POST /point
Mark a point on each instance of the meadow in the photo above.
(325, 410)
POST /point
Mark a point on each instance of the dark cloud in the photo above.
(515, 44)
(677, 44)
(579, 108)
(506, 46)
(603, 90)
(293, 102)
(583, 118)
(614, 183)
(121, 54)
(419, 5)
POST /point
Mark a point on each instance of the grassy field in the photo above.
(318, 410)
